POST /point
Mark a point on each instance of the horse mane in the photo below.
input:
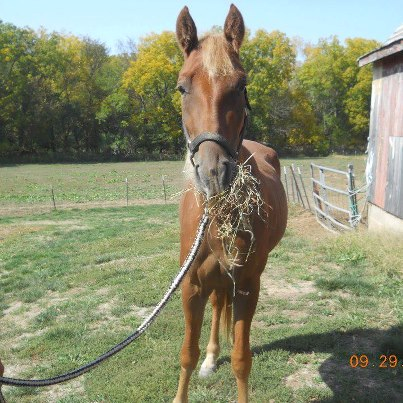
(218, 56)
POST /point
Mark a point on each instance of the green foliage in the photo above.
(151, 80)
(338, 90)
(269, 60)
(63, 94)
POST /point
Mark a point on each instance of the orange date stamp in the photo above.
(384, 361)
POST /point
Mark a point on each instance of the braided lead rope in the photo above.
(138, 332)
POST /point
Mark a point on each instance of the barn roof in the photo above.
(393, 45)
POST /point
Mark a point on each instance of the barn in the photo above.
(384, 169)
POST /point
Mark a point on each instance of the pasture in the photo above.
(26, 188)
(76, 281)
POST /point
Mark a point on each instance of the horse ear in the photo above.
(234, 28)
(186, 32)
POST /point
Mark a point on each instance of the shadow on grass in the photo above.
(377, 381)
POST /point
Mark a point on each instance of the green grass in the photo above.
(75, 282)
(83, 183)
(28, 186)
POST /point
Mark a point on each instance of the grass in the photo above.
(27, 187)
(87, 183)
(75, 282)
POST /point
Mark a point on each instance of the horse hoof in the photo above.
(206, 371)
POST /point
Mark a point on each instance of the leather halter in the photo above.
(193, 145)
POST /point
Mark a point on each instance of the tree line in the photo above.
(67, 97)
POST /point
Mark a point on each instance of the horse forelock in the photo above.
(217, 55)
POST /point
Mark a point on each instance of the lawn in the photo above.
(27, 188)
(74, 282)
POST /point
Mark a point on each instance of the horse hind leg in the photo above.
(221, 310)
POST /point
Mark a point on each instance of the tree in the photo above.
(269, 60)
(338, 91)
(358, 81)
(150, 81)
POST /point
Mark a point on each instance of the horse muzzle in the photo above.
(214, 169)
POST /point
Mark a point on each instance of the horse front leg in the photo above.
(217, 299)
(193, 308)
(241, 357)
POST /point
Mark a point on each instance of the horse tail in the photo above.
(226, 316)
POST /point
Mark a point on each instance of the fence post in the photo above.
(324, 193)
(53, 198)
(303, 187)
(296, 186)
(163, 186)
(292, 187)
(352, 196)
(127, 192)
(286, 183)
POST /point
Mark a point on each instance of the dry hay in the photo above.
(233, 211)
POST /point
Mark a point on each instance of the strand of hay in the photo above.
(233, 209)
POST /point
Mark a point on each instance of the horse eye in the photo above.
(181, 89)
(241, 87)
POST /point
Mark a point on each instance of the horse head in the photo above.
(214, 103)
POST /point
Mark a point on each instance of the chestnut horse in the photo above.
(214, 111)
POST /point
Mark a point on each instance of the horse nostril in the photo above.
(227, 172)
(213, 172)
(197, 166)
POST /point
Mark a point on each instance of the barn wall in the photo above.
(381, 221)
(385, 151)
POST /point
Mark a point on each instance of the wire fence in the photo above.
(31, 188)
(39, 188)
(331, 194)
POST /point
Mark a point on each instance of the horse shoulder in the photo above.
(262, 154)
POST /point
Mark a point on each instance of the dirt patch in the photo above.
(303, 223)
(15, 370)
(112, 262)
(18, 210)
(22, 317)
(281, 289)
(22, 314)
(141, 312)
(102, 291)
(105, 309)
(306, 377)
(27, 227)
(52, 222)
(55, 393)
(293, 314)
(9, 231)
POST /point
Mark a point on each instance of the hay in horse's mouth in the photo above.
(233, 211)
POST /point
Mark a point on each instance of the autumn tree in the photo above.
(269, 60)
(150, 81)
(338, 91)
(64, 94)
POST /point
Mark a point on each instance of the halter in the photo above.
(193, 145)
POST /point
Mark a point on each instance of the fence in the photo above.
(26, 189)
(331, 194)
(335, 197)
(31, 188)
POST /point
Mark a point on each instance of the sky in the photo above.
(116, 20)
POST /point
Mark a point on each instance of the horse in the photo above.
(215, 111)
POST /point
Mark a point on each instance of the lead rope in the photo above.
(138, 332)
